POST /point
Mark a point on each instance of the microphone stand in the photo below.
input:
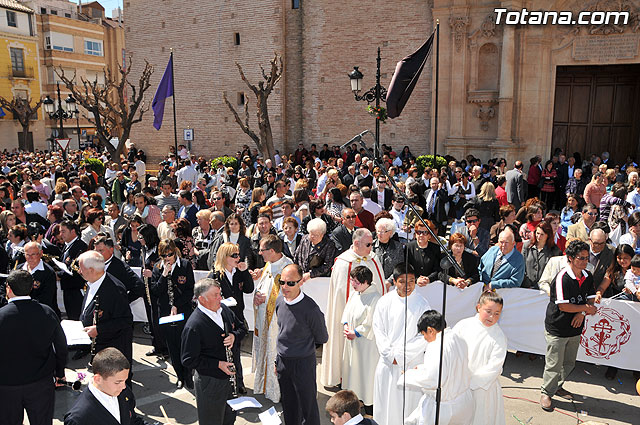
(449, 257)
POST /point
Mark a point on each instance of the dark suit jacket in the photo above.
(190, 214)
(35, 345)
(285, 247)
(341, 238)
(182, 282)
(469, 265)
(50, 249)
(440, 214)
(425, 261)
(202, 346)
(121, 271)
(115, 320)
(242, 284)
(88, 410)
(74, 281)
(45, 290)
(605, 259)
(388, 197)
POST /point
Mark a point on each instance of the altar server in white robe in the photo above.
(456, 406)
(339, 292)
(389, 330)
(487, 347)
(360, 355)
(266, 325)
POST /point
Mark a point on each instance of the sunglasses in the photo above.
(421, 232)
(349, 217)
(582, 258)
(167, 255)
(400, 201)
(216, 199)
(472, 221)
(592, 214)
(381, 181)
(289, 282)
(235, 255)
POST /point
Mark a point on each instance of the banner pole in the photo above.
(175, 125)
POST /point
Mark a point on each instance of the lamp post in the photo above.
(64, 111)
(376, 93)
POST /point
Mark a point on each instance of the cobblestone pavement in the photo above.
(599, 401)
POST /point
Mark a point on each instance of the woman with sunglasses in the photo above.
(231, 271)
(172, 284)
(130, 245)
(424, 254)
(95, 219)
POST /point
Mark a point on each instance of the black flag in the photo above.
(406, 76)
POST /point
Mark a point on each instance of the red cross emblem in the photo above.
(604, 333)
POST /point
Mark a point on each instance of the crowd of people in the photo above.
(267, 227)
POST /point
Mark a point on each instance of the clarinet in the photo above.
(95, 323)
(232, 367)
(170, 292)
(144, 278)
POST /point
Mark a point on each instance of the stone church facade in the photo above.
(510, 91)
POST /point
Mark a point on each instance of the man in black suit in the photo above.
(45, 289)
(118, 268)
(105, 302)
(342, 236)
(209, 332)
(36, 232)
(383, 196)
(35, 351)
(107, 397)
(436, 198)
(71, 284)
(17, 207)
(344, 407)
(349, 178)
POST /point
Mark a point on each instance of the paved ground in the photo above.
(601, 401)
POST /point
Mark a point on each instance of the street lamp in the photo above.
(64, 111)
(376, 93)
(72, 110)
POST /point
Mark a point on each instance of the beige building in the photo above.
(81, 43)
(508, 91)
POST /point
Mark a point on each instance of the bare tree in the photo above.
(262, 90)
(23, 111)
(111, 109)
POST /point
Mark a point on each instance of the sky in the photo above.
(107, 4)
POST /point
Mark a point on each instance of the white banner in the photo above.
(611, 337)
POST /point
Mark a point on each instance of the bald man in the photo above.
(502, 266)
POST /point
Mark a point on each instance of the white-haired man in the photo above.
(105, 302)
(339, 291)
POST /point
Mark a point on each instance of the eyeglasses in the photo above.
(167, 255)
(598, 243)
(216, 199)
(421, 232)
(592, 214)
(289, 282)
(235, 255)
(382, 181)
(382, 232)
(261, 250)
(582, 258)
(400, 201)
(349, 217)
(472, 221)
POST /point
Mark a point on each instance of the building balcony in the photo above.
(27, 73)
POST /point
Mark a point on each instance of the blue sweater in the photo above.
(301, 328)
(509, 275)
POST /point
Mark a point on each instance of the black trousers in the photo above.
(237, 362)
(297, 379)
(36, 398)
(72, 303)
(211, 400)
(157, 340)
(173, 336)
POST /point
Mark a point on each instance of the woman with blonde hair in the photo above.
(60, 188)
(487, 204)
(258, 198)
(172, 284)
(231, 271)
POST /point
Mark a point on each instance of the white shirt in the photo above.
(381, 198)
(109, 402)
(40, 266)
(21, 298)
(296, 300)
(371, 206)
(141, 169)
(36, 208)
(216, 316)
(355, 420)
(230, 274)
(93, 288)
(68, 244)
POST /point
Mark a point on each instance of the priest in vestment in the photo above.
(456, 406)
(389, 331)
(339, 292)
(266, 324)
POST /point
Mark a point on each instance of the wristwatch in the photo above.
(584, 313)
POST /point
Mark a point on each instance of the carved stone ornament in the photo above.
(485, 113)
(488, 27)
(459, 26)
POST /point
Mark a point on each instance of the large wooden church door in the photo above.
(597, 109)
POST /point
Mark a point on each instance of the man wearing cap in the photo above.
(153, 188)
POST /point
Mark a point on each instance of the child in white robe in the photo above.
(456, 406)
(487, 349)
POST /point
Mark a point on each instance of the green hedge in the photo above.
(95, 164)
(228, 161)
(424, 161)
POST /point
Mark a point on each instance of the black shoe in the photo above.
(611, 373)
(188, 382)
(242, 389)
(179, 384)
(152, 352)
(79, 354)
